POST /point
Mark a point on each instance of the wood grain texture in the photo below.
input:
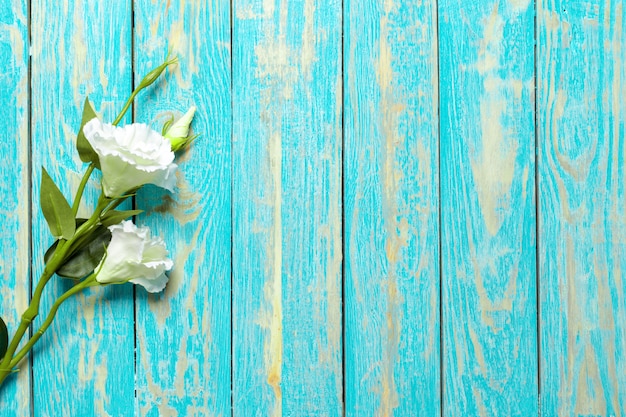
(15, 395)
(582, 96)
(434, 90)
(488, 209)
(84, 363)
(183, 333)
(391, 209)
(287, 208)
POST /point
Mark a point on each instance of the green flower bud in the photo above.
(153, 75)
(178, 133)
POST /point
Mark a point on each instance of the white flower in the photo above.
(134, 256)
(131, 156)
(178, 133)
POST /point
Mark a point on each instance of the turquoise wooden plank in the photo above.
(391, 209)
(84, 364)
(287, 208)
(183, 334)
(15, 189)
(582, 240)
(488, 217)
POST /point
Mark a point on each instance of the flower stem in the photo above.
(33, 309)
(150, 78)
(84, 230)
(116, 203)
(60, 254)
(5, 371)
(81, 188)
(130, 100)
(88, 282)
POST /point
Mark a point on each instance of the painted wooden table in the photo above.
(396, 208)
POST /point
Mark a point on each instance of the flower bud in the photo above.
(153, 75)
(178, 133)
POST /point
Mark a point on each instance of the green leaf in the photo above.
(4, 338)
(52, 248)
(84, 148)
(116, 216)
(55, 208)
(86, 257)
(50, 251)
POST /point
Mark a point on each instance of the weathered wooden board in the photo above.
(391, 209)
(86, 360)
(391, 140)
(488, 208)
(15, 397)
(287, 208)
(183, 334)
(582, 238)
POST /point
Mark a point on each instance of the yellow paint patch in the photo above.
(307, 57)
(493, 166)
(519, 5)
(276, 59)
(396, 227)
(589, 393)
(248, 12)
(274, 287)
(493, 169)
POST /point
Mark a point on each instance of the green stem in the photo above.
(130, 100)
(88, 282)
(33, 309)
(116, 203)
(93, 220)
(51, 267)
(81, 188)
(27, 318)
(83, 232)
(147, 80)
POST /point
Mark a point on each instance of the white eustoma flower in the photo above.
(131, 156)
(134, 256)
(178, 133)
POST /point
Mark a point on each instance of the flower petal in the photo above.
(134, 256)
(153, 285)
(131, 156)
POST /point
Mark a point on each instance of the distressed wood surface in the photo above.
(391, 209)
(488, 208)
(85, 361)
(360, 230)
(15, 398)
(183, 334)
(287, 208)
(582, 95)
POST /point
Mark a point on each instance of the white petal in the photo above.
(154, 250)
(124, 250)
(133, 255)
(168, 178)
(131, 156)
(155, 284)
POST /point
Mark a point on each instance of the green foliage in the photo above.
(84, 148)
(56, 210)
(86, 256)
(116, 216)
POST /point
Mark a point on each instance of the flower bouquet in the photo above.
(105, 248)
